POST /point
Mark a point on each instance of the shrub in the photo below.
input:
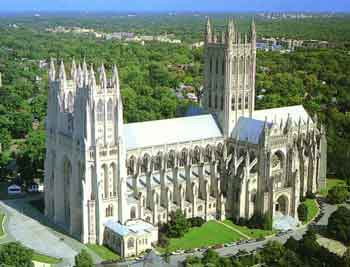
(196, 222)
(83, 259)
(302, 212)
(337, 195)
(14, 254)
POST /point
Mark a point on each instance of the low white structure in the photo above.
(131, 239)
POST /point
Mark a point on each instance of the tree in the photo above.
(30, 159)
(337, 195)
(178, 225)
(83, 259)
(302, 212)
(339, 225)
(210, 256)
(346, 258)
(267, 221)
(14, 254)
(272, 252)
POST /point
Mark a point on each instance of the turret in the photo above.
(208, 32)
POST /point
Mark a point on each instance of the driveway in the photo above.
(28, 226)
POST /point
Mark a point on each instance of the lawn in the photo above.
(330, 184)
(252, 233)
(103, 252)
(312, 209)
(45, 259)
(2, 218)
(210, 233)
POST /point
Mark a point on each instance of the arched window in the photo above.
(133, 213)
(131, 165)
(207, 156)
(158, 162)
(217, 66)
(222, 103)
(171, 159)
(223, 67)
(109, 211)
(233, 102)
(216, 102)
(131, 243)
(196, 155)
(211, 65)
(70, 102)
(200, 208)
(210, 100)
(145, 163)
(110, 110)
(246, 102)
(240, 103)
(105, 181)
(183, 159)
(100, 111)
(113, 169)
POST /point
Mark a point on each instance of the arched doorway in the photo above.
(281, 205)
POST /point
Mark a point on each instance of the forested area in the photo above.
(318, 79)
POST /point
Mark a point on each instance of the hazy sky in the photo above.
(176, 5)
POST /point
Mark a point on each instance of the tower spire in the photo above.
(73, 71)
(103, 77)
(62, 74)
(253, 31)
(115, 79)
(85, 73)
(208, 32)
(92, 80)
(52, 70)
(230, 32)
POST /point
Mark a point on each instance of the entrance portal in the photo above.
(281, 205)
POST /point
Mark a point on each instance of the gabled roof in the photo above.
(170, 131)
(248, 129)
(276, 114)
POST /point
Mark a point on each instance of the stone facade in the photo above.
(233, 162)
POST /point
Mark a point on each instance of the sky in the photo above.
(175, 5)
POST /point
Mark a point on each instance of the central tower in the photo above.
(229, 75)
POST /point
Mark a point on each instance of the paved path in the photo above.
(28, 226)
(234, 229)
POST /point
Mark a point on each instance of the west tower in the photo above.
(229, 74)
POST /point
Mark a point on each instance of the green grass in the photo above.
(45, 259)
(2, 218)
(312, 209)
(210, 233)
(103, 252)
(330, 184)
(252, 233)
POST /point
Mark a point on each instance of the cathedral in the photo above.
(112, 183)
